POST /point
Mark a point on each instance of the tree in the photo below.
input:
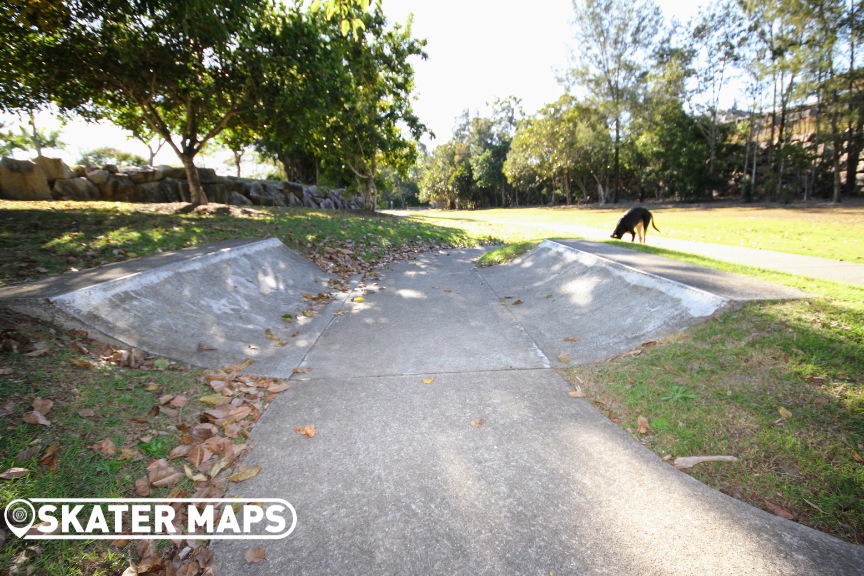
(108, 155)
(614, 40)
(29, 138)
(237, 139)
(180, 69)
(375, 123)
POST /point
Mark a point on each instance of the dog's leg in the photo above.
(640, 230)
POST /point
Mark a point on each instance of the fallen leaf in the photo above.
(82, 363)
(359, 299)
(254, 555)
(214, 400)
(159, 473)
(478, 422)
(106, 447)
(202, 347)
(129, 454)
(5, 371)
(571, 339)
(644, 425)
(165, 398)
(87, 413)
(564, 357)
(40, 349)
(193, 477)
(179, 401)
(448, 290)
(120, 543)
(576, 394)
(36, 418)
(784, 412)
(779, 510)
(301, 370)
(689, 461)
(42, 405)
(244, 473)
(6, 408)
(428, 380)
(857, 458)
(14, 473)
(142, 487)
(276, 388)
(270, 336)
(517, 302)
(49, 457)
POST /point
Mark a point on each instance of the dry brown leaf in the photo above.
(14, 473)
(276, 388)
(517, 302)
(301, 370)
(478, 422)
(571, 339)
(270, 335)
(36, 418)
(784, 412)
(576, 394)
(202, 347)
(6, 408)
(129, 454)
(5, 371)
(644, 425)
(779, 510)
(165, 398)
(564, 357)
(42, 405)
(254, 555)
(179, 401)
(214, 399)
(87, 413)
(142, 487)
(243, 473)
(49, 457)
(82, 363)
(106, 447)
(161, 474)
(857, 457)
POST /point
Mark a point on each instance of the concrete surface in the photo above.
(487, 468)
(209, 306)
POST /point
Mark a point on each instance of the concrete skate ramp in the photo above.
(211, 309)
(600, 307)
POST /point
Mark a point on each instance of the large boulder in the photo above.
(99, 177)
(54, 169)
(164, 190)
(75, 189)
(171, 172)
(262, 194)
(221, 190)
(238, 199)
(118, 188)
(143, 175)
(23, 180)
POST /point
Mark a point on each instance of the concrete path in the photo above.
(446, 441)
(446, 445)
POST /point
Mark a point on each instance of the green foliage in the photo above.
(108, 155)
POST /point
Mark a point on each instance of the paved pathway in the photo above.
(824, 268)
(447, 444)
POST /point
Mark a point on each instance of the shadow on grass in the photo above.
(40, 239)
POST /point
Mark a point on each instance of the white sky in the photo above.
(478, 50)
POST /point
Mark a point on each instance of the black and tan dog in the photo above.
(635, 221)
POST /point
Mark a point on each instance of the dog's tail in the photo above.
(654, 225)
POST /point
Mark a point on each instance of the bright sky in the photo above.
(478, 50)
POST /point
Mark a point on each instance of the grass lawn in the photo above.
(716, 389)
(824, 231)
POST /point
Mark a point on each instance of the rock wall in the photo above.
(51, 179)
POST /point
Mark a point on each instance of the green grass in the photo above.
(506, 253)
(826, 231)
(121, 400)
(43, 239)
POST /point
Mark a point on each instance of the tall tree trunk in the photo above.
(853, 147)
(196, 191)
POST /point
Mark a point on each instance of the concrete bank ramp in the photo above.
(210, 306)
(580, 308)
